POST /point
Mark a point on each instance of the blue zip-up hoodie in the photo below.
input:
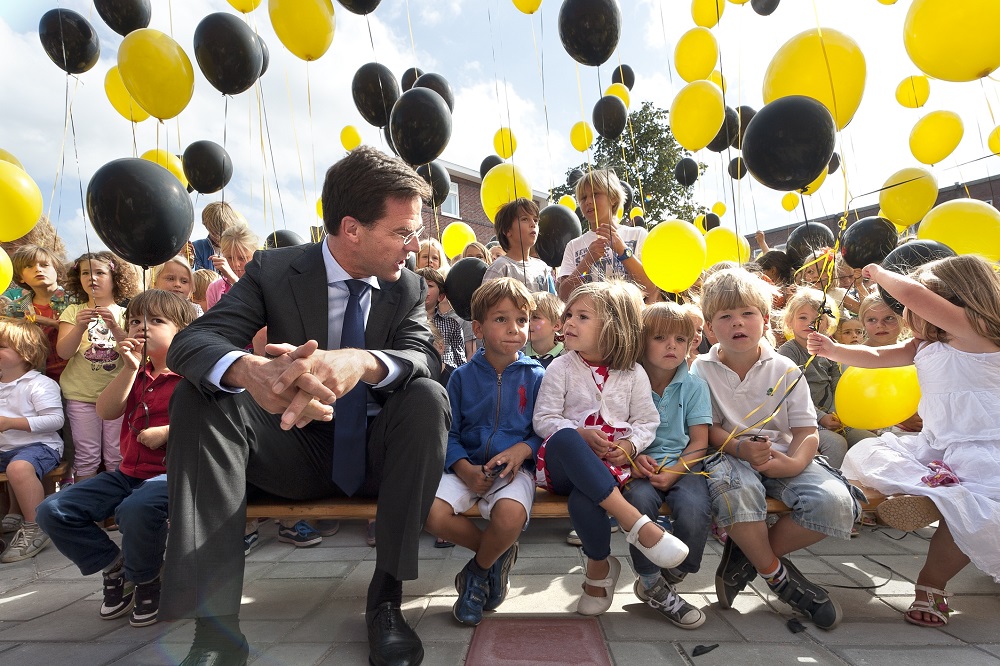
(490, 412)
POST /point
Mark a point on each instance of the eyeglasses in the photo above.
(410, 237)
(138, 422)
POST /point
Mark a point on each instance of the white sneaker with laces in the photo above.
(28, 541)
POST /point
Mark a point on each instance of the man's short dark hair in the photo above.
(507, 216)
(360, 184)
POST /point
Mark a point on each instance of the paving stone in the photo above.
(300, 654)
(352, 554)
(438, 624)
(637, 619)
(866, 544)
(155, 654)
(324, 569)
(286, 599)
(644, 651)
(78, 621)
(992, 649)
(885, 632)
(973, 618)
(755, 620)
(910, 656)
(46, 654)
(728, 654)
(126, 633)
(343, 621)
(546, 594)
(351, 653)
(39, 598)
(441, 653)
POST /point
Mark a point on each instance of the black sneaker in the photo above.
(807, 597)
(147, 604)
(301, 535)
(664, 599)
(119, 594)
(734, 573)
(250, 542)
(499, 577)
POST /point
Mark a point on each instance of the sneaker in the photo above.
(664, 599)
(11, 523)
(499, 577)
(673, 576)
(807, 597)
(147, 604)
(326, 527)
(473, 591)
(573, 538)
(615, 527)
(301, 534)
(734, 573)
(250, 542)
(119, 594)
(28, 541)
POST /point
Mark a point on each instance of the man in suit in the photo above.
(349, 340)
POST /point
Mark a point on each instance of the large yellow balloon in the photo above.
(913, 91)
(706, 13)
(811, 188)
(568, 201)
(696, 114)
(319, 207)
(7, 157)
(502, 184)
(907, 195)
(790, 201)
(245, 6)
(168, 161)
(305, 27)
(953, 41)
(20, 203)
(504, 142)
(739, 2)
(800, 68)
(619, 90)
(6, 270)
(350, 138)
(581, 135)
(636, 212)
(455, 237)
(696, 53)
(725, 245)
(936, 136)
(528, 6)
(673, 255)
(156, 72)
(993, 142)
(719, 208)
(967, 226)
(118, 95)
(870, 398)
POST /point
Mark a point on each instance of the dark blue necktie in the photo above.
(351, 420)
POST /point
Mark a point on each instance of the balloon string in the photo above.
(312, 133)
(79, 178)
(270, 146)
(298, 150)
(826, 61)
(983, 142)
(225, 135)
(381, 90)
(61, 163)
(663, 27)
(496, 75)
(409, 24)
(540, 61)
(506, 99)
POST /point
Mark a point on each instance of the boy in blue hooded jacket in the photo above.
(491, 448)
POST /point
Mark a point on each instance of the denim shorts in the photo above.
(43, 457)
(819, 497)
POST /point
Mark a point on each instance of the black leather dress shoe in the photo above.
(391, 642)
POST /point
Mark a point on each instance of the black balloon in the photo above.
(711, 221)
(207, 166)
(806, 239)
(627, 201)
(764, 7)
(228, 53)
(686, 172)
(728, 134)
(746, 114)
(360, 6)
(557, 226)
(410, 77)
(623, 74)
(574, 177)
(736, 168)
(375, 91)
(388, 140)
(789, 142)
(265, 55)
(69, 40)
(437, 177)
(420, 125)
(124, 16)
(868, 241)
(140, 210)
(488, 163)
(908, 256)
(464, 277)
(438, 84)
(610, 117)
(590, 29)
(834, 164)
(282, 238)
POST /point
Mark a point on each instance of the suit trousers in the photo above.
(223, 443)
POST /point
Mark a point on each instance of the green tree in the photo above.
(645, 157)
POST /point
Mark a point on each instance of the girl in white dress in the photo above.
(950, 471)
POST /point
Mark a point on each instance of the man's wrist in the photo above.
(237, 375)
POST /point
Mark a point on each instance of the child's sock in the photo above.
(774, 574)
(649, 580)
(477, 569)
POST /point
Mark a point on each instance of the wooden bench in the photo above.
(49, 480)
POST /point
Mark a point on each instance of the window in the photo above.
(450, 205)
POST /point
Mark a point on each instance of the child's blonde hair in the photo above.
(618, 305)
(240, 237)
(601, 181)
(160, 303)
(969, 282)
(734, 288)
(27, 340)
(870, 301)
(29, 255)
(807, 297)
(219, 216)
(433, 242)
(549, 306)
(487, 257)
(202, 278)
(666, 318)
(495, 291)
(823, 260)
(180, 261)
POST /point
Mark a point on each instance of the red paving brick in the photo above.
(532, 641)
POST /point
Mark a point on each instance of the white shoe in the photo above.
(589, 605)
(666, 553)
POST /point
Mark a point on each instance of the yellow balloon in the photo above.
(581, 136)
(245, 6)
(636, 212)
(168, 161)
(993, 142)
(7, 157)
(800, 68)
(528, 6)
(118, 95)
(319, 208)
(699, 224)
(913, 91)
(718, 79)
(673, 255)
(696, 114)
(967, 226)
(870, 398)
(568, 201)
(725, 245)
(156, 72)
(887, 2)
(707, 13)
(739, 2)
(350, 138)
(811, 188)
(907, 195)
(696, 53)
(953, 41)
(719, 208)
(6, 269)
(305, 27)
(20, 203)
(790, 201)
(455, 237)
(936, 136)
(619, 90)
(502, 184)
(504, 142)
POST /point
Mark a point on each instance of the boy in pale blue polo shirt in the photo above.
(671, 464)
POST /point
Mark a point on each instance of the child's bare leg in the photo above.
(28, 491)
(443, 523)
(944, 561)
(786, 536)
(752, 538)
(626, 515)
(507, 519)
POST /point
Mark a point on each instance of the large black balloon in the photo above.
(728, 134)
(124, 16)
(420, 125)
(557, 226)
(686, 172)
(623, 74)
(437, 177)
(228, 53)
(610, 117)
(745, 114)
(375, 91)
(464, 277)
(834, 164)
(764, 7)
(806, 239)
(908, 256)
(69, 40)
(360, 6)
(488, 163)
(282, 238)
(736, 168)
(410, 77)
(438, 84)
(868, 241)
(574, 177)
(789, 142)
(265, 55)
(388, 140)
(629, 197)
(207, 166)
(140, 210)
(711, 221)
(590, 29)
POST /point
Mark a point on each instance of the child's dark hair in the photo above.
(124, 277)
(433, 275)
(780, 262)
(507, 216)
(493, 292)
(29, 255)
(159, 303)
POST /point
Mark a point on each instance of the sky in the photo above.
(506, 69)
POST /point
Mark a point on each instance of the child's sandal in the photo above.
(666, 553)
(589, 605)
(932, 601)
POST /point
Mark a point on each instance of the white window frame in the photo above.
(452, 196)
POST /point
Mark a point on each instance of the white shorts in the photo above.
(454, 491)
